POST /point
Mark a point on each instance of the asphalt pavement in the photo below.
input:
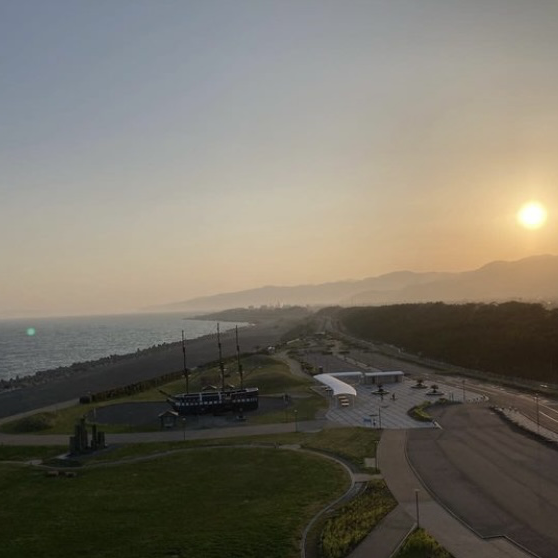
(419, 505)
(500, 482)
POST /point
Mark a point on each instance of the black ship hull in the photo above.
(215, 402)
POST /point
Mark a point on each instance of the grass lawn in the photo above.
(233, 502)
(350, 443)
(29, 453)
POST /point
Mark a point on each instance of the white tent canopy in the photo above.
(338, 387)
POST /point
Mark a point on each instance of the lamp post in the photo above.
(380, 417)
(417, 507)
(537, 408)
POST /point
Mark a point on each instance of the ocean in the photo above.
(32, 345)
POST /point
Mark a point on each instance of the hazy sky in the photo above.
(154, 151)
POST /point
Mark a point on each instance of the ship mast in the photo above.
(221, 365)
(239, 364)
(184, 358)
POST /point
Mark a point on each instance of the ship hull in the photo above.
(215, 402)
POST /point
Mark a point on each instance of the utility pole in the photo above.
(221, 365)
(184, 358)
(239, 364)
(538, 417)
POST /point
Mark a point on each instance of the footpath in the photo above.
(453, 535)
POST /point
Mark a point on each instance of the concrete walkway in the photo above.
(171, 435)
(387, 537)
(453, 535)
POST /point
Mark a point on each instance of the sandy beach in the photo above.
(154, 363)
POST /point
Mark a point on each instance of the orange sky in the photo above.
(154, 152)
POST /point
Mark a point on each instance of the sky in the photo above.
(156, 151)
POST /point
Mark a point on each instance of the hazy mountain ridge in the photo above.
(532, 279)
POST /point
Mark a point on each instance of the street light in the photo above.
(538, 417)
(417, 507)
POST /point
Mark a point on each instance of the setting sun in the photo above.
(532, 215)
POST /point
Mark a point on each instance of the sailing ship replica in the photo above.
(217, 401)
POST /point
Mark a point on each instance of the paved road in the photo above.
(171, 435)
(498, 481)
(444, 527)
(538, 408)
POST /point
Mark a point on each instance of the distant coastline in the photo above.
(71, 382)
(34, 352)
(61, 372)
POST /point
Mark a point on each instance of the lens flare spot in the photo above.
(31, 331)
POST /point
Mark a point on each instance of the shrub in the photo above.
(355, 520)
(418, 412)
(421, 545)
(34, 423)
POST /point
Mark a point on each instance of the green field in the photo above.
(29, 453)
(234, 502)
(350, 443)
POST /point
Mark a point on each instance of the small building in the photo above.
(349, 377)
(168, 419)
(388, 377)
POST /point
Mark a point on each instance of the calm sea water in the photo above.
(30, 345)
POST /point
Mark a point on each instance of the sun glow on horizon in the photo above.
(532, 215)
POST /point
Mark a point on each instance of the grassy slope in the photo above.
(352, 444)
(28, 453)
(202, 503)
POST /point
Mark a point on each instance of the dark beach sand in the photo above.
(140, 367)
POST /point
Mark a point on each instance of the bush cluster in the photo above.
(355, 520)
(34, 423)
(421, 545)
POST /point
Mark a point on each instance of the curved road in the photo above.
(497, 480)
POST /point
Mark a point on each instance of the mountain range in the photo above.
(530, 279)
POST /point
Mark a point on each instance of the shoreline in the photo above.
(52, 374)
(72, 382)
(49, 374)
